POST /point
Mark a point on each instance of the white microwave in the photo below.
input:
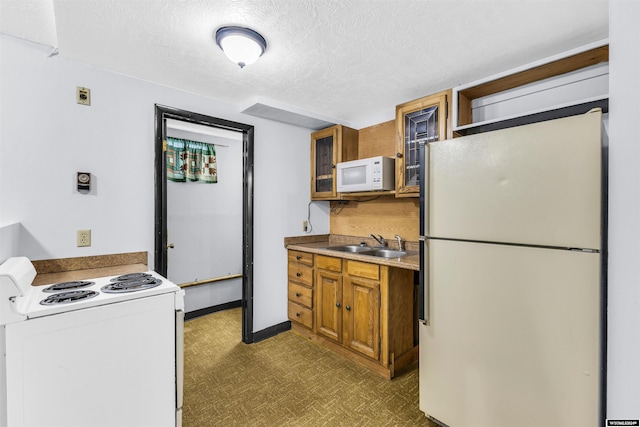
(372, 174)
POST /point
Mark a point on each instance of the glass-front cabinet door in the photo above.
(329, 147)
(323, 160)
(420, 121)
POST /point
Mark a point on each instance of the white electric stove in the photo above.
(70, 347)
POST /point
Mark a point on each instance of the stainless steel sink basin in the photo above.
(385, 253)
(349, 248)
(380, 252)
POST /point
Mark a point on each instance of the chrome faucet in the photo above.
(400, 243)
(379, 239)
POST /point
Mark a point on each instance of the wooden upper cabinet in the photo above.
(583, 67)
(419, 121)
(329, 147)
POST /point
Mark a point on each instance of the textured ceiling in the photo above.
(352, 60)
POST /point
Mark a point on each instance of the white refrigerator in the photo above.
(511, 276)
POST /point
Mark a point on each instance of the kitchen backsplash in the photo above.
(385, 215)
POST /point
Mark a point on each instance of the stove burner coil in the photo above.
(68, 297)
(131, 285)
(130, 276)
(65, 286)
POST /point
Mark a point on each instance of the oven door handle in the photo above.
(179, 360)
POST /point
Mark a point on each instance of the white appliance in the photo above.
(512, 277)
(99, 352)
(371, 174)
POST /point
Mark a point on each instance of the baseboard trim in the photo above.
(271, 331)
(208, 310)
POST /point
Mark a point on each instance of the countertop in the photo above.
(318, 244)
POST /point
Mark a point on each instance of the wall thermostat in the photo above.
(84, 181)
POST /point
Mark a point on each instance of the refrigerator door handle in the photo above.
(425, 190)
(425, 283)
(424, 235)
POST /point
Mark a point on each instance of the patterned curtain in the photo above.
(191, 160)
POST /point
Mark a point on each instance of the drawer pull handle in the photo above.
(297, 294)
(348, 308)
(297, 314)
(298, 274)
(298, 257)
(338, 304)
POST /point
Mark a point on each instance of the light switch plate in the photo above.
(83, 95)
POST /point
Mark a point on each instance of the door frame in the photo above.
(160, 252)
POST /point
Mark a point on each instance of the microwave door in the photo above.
(354, 178)
(356, 175)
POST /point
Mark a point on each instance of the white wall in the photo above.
(282, 192)
(45, 138)
(623, 367)
(9, 240)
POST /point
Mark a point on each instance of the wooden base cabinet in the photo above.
(365, 312)
(329, 298)
(300, 294)
(361, 299)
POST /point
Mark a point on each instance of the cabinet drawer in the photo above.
(300, 314)
(301, 257)
(329, 263)
(363, 269)
(301, 294)
(301, 273)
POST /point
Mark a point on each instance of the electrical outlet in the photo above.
(83, 238)
(305, 225)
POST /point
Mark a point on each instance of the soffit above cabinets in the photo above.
(269, 109)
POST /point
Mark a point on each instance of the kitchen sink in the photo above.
(385, 253)
(368, 250)
(349, 248)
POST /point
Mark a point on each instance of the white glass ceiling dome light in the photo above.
(241, 45)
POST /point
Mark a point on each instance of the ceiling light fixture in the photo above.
(241, 45)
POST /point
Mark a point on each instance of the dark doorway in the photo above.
(160, 253)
